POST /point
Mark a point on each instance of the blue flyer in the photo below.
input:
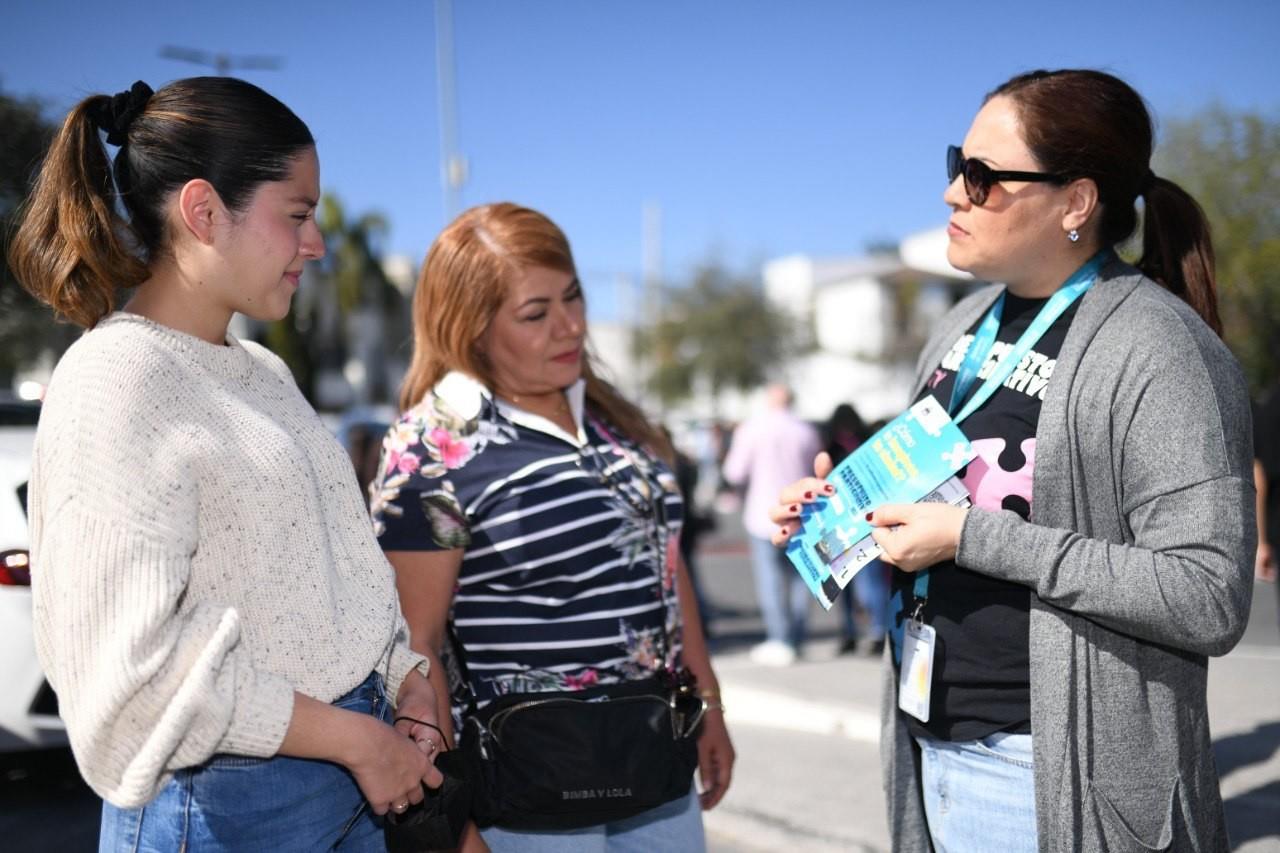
(913, 458)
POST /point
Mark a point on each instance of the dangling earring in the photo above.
(1073, 235)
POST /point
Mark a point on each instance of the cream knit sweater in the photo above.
(200, 550)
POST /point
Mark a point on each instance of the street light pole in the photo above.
(453, 166)
(650, 313)
(221, 63)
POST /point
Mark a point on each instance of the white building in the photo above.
(869, 316)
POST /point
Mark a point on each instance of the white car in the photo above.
(28, 707)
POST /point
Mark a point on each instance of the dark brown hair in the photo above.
(462, 285)
(1089, 124)
(75, 252)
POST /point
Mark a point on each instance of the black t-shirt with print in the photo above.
(981, 681)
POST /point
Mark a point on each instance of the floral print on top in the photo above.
(567, 579)
(429, 441)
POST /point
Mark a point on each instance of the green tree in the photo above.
(363, 288)
(27, 328)
(719, 330)
(354, 255)
(1230, 162)
(322, 330)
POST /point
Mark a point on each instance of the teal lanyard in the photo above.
(980, 347)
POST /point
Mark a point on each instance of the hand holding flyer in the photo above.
(913, 458)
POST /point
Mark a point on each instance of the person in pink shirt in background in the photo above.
(770, 449)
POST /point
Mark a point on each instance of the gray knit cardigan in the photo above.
(1139, 551)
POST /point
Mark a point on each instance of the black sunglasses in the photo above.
(979, 177)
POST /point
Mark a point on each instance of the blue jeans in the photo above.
(674, 827)
(233, 802)
(979, 795)
(781, 593)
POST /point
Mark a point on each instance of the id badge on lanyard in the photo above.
(915, 678)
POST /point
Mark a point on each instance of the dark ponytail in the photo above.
(69, 250)
(1089, 124)
(73, 249)
(1177, 250)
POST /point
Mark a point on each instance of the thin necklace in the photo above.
(562, 406)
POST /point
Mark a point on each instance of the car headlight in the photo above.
(15, 568)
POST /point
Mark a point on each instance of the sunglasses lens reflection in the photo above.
(977, 181)
(977, 177)
(955, 162)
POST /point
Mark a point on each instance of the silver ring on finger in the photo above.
(401, 806)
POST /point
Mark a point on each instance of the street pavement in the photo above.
(806, 735)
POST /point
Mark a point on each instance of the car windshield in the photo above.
(19, 413)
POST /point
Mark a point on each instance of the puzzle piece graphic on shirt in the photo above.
(989, 484)
(956, 455)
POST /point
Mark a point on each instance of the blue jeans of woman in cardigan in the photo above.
(979, 795)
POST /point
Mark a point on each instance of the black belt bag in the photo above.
(573, 759)
(567, 760)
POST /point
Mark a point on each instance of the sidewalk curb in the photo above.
(754, 832)
(754, 706)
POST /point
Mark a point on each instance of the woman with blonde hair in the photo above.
(530, 510)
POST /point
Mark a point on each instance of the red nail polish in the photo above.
(829, 489)
(795, 507)
(808, 496)
(869, 515)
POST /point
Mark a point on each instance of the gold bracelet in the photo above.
(709, 695)
(717, 705)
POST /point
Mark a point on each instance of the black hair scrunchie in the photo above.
(116, 115)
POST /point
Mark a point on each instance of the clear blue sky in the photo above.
(760, 128)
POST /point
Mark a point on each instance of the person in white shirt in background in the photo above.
(769, 450)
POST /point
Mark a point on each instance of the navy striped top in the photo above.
(567, 578)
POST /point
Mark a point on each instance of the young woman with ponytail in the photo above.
(1109, 549)
(210, 605)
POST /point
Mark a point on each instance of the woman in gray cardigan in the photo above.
(1068, 615)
